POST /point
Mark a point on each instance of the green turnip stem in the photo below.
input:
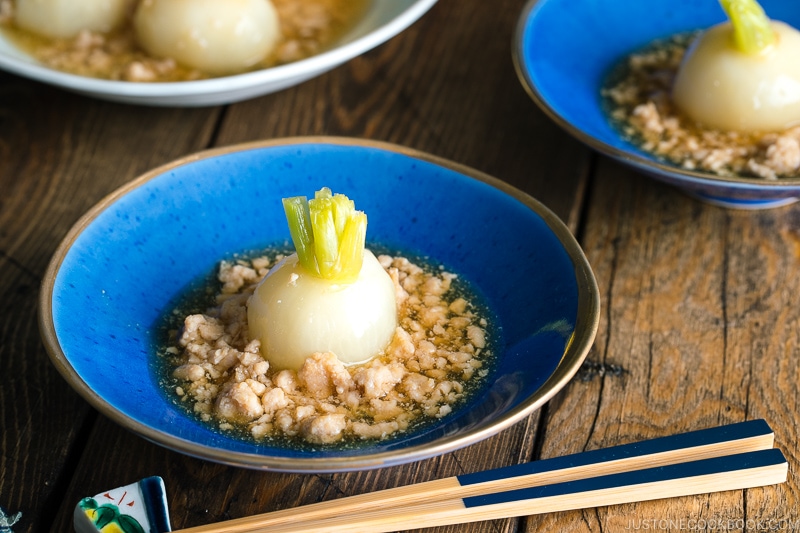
(751, 27)
(328, 234)
(299, 219)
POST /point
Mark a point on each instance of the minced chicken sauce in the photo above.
(440, 352)
(637, 98)
(308, 27)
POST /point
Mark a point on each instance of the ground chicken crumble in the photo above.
(439, 346)
(639, 102)
(307, 28)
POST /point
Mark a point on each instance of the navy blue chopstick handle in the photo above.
(741, 430)
(716, 465)
(154, 498)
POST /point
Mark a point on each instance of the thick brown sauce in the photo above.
(422, 397)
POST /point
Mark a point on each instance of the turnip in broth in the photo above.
(332, 295)
(742, 75)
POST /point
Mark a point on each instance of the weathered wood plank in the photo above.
(59, 154)
(200, 492)
(699, 328)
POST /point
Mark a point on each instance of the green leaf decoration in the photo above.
(105, 514)
(88, 504)
(128, 524)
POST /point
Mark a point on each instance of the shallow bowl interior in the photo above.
(383, 20)
(564, 49)
(119, 268)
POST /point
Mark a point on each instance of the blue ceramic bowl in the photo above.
(116, 272)
(563, 49)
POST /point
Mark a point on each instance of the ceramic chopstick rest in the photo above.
(140, 507)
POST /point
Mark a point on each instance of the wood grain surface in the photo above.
(700, 318)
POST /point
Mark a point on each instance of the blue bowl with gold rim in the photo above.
(120, 267)
(564, 49)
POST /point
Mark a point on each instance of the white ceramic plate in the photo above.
(383, 20)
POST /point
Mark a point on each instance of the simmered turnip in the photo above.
(67, 18)
(330, 296)
(218, 37)
(742, 75)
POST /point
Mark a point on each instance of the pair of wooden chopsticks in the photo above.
(732, 457)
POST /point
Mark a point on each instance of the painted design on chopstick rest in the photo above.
(136, 508)
(107, 517)
(6, 521)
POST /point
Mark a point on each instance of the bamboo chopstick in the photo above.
(733, 472)
(693, 446)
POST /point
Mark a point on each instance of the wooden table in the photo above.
(700, 317)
